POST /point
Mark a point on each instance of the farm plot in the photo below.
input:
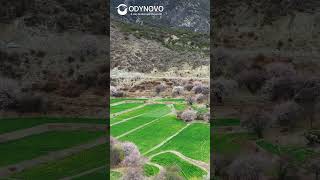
(88, 159)
(156, 131)
(137, 112)
(36, 145)
(198, 136)
(187, 170)
(153, 134)
(131, 124)
(14, 124)
(123, 107)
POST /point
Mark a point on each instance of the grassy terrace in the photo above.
(123, 107)
(150, 170)
(121, 128)
(88, 159)
(187, 170)
(148, 109)
(199, 142)
(153, 134)
(13, 124)
(41, 144)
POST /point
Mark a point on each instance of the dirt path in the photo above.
(139, 127)
(165, 141)
(52, 156)
(50, 127)
(128, 110)
(204, 166)
(127, 119)
(161, 77)
(83, 173)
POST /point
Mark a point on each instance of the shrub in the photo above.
(222, 88)
(27, 103)
(282, 88)
(172, 173)
(250, 167)
(188, 87)
(116, 155)
(190, 100)
(9, 91)
(89, 46)
(114, 92)
(256, 121)
(200, 98)
(133, 173)
(160, 88)
(287, 113)
(177, 90)
(132, 155)
(197, 89)
(188, 115)
(279, 69)
(253, 79)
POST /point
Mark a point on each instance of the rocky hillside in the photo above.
(280, 25)
(187, 14)
(143, 49)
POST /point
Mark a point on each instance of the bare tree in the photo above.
(133, 173)
(159, 88)
(287, 113)
(177, 90)
(189, 115)
(256, 121)
(244, 168)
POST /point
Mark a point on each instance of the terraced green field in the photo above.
(36, 145)
(73, 165)
(150, 170)
(199, 146)
(154, 128)
(13, 124)
(123, 107)
(187, 170)
(153, 134)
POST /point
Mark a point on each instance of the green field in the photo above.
(41, 144)
(100, 174)
(187, 170)
(150, 170)
(115, 175)
(155, 133)
(13, 124)
(155, 127)
(152, 115)
(123, 107)
(147, 110)
(72, 165)
(198, 136)
(116, 100)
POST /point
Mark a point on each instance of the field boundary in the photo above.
(166, 140)
(127, 119)
(15, 168)
(204, 166)
(128, 110)
(83, 173)
(139, 127)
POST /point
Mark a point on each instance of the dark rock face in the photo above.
(58, 15)
(187, 14)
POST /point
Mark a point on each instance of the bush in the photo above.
(279, 69)
(188, 115)
(200, 98)
(114, 92)
(223, 88)
(133, 173)
(252, 79)
(282, 88)
(190, 100)
(27, 103)
(171, 173)
(89, 46)
(160, 88)
(132, 155)
(287, 113)
(188, 87)
(116, 155)
(9, 91)
(177, 90)
(256, 121)
(197, 89)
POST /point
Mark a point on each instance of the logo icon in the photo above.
(122, 9)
